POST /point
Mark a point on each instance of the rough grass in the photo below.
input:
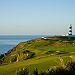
(42, 63)
(50, 52)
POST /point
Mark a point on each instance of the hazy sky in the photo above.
(36, 16)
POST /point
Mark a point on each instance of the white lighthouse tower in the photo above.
(70, 30)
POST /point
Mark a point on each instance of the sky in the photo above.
(29, 17)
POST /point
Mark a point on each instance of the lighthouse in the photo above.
(70, 30)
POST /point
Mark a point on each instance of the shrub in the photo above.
(13, 58)
(23, 71)
(69, 70)
(25, 51)
(35, 72)
(30, 55)
(43, 73)
(1, 58)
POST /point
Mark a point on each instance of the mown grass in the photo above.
(43, 60)
(42, 63)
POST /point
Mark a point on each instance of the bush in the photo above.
(50, 52)
(23, 71)
(30, 55)
(43, 73)
(13, 58)
(35, 72)
(1, 58)
(69, 70)
(26, 51)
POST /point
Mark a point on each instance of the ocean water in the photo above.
(7, 42)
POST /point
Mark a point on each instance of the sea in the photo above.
(7, 42)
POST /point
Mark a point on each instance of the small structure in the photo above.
(44, 38)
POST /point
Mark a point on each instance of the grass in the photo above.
(42, 64)
(43, 59)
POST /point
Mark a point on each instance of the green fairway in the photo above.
(38, 53)
(39, 63)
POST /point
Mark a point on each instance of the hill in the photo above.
(40, 53)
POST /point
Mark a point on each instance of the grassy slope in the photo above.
(42, 63)
(40, 47)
